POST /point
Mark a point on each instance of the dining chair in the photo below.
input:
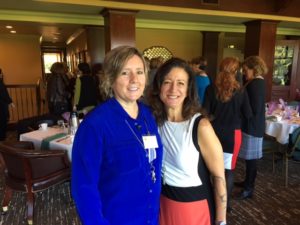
(292, 153)
(31, 171)
(293, 103)
(271, 146)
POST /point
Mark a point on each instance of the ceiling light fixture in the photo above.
(13, 31)
(9, 27)
(231, 46)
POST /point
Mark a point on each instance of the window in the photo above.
(49, 58)
(157, 51)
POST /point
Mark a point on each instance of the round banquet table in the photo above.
(280, 130)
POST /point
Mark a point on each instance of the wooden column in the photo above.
(119, 28)
(95, 44)
(210, 51)
(260, 40)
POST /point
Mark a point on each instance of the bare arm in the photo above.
(212, 152)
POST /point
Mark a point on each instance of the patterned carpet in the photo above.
(272, 204)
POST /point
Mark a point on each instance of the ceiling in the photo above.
(58, 22)
(29, 17)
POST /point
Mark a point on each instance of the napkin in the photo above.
(46, 141)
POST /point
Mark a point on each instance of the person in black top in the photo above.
(58, 94)
(254, 68)
(5, 101)
(228, 105)
(86, 89)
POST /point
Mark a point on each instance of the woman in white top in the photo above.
(192, 152)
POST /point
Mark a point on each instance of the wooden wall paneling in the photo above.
(119, 28)
(280, 92)
(272, 7)
(298, 71)
(95, 44)
(260, 40)
(210, 50)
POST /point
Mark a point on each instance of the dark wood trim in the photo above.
(119, 28)
(260, 40)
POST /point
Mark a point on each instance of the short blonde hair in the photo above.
(114, 62)
(257, 64)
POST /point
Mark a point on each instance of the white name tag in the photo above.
(150, 141)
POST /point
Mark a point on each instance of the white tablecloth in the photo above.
(280, 130)
(64, 143)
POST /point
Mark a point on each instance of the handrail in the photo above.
(27, 100)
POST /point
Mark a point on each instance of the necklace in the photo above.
(152, 167)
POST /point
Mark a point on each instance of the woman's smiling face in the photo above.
(130, 83)
(174, 88)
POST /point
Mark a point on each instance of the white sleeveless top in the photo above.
(180, 157)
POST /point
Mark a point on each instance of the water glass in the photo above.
(61, 124)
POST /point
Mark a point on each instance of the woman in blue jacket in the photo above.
(117, 152)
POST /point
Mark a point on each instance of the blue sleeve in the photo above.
(202, 85)
(86, 162)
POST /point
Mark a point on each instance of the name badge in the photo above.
(150, 141)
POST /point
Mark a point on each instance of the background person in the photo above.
(192, 152)
(199, 65)
(86, 90)
(229, 105)
(254, 68)
(117, 152)
(154, 64)
(58, 94)
(5, 102)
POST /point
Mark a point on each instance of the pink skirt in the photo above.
(183, 213)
